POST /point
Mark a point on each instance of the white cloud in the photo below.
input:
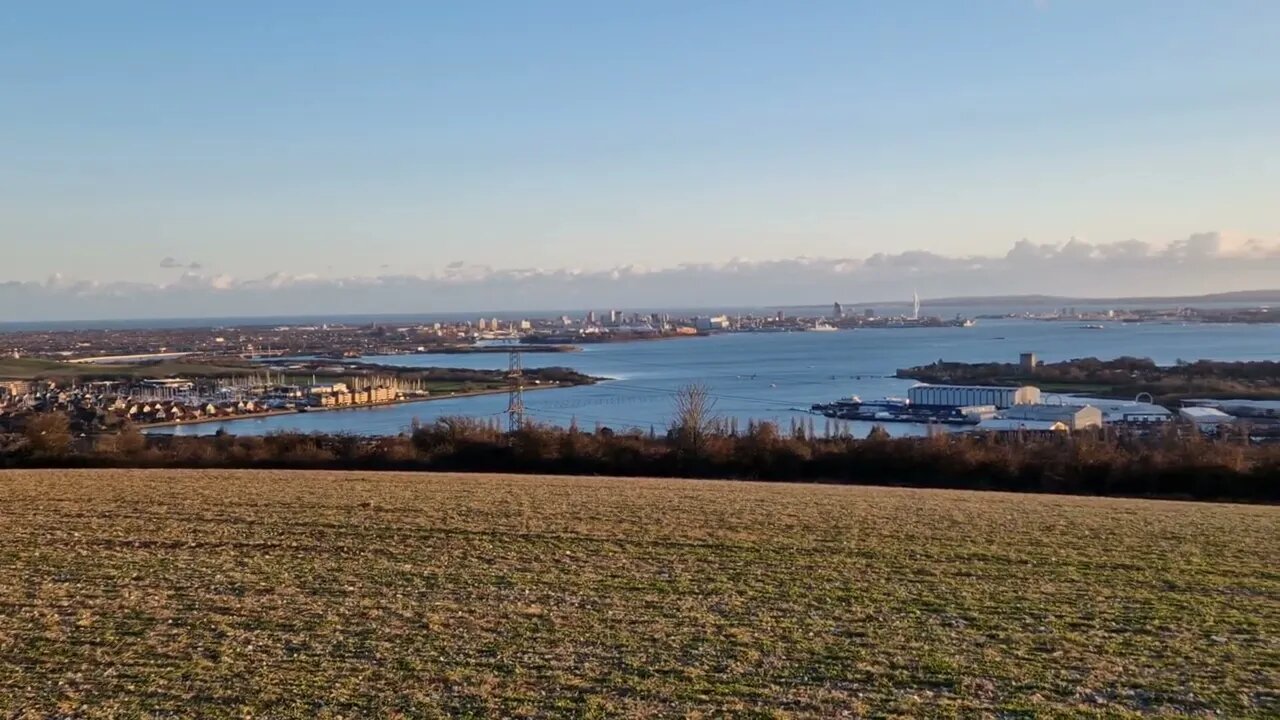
(1200, 263)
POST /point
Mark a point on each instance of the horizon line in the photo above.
(952, 301)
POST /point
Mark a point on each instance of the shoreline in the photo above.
(362, 406)
(548, 349)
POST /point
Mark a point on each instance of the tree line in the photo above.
(1119, 377)
(1175, 462)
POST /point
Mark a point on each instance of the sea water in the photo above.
(769, 376)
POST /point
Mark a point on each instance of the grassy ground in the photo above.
(334, 595)
(32, 369)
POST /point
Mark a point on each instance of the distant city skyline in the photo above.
(206, 159)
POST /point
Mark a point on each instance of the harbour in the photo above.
(776, 377)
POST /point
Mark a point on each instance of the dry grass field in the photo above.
(295, 594)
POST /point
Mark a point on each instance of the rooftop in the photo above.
(1203, 413)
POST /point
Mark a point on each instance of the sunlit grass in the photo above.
(337, 594)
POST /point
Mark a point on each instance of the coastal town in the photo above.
(106, 400)
(108, 405)
(104, 379)
(389, 336)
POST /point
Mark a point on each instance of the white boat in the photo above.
(821, 326)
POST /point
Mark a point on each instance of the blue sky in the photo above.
(354, 139)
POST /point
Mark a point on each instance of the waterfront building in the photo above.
(1240, 408)
(1205, 418)
(718, 322)
(173, 384)
(967, 395)
(15, 388)
(1137, 414)
(1074, 417)
(1008, 425)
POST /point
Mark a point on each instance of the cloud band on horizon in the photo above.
(1201, 263)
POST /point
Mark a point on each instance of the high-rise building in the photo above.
(837, 310)
(482, 324)
(591, 317)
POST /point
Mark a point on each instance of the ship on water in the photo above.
(900, 410)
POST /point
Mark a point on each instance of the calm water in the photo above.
(773, 376)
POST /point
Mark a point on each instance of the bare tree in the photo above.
(127, 442)
(49, 434)
(694, 415)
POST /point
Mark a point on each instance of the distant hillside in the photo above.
(1241, 296)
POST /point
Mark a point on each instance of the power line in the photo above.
(515, 397)
(624, 422)
(789, 404)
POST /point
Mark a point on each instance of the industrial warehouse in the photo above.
(952, 396)
(1002, 409)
